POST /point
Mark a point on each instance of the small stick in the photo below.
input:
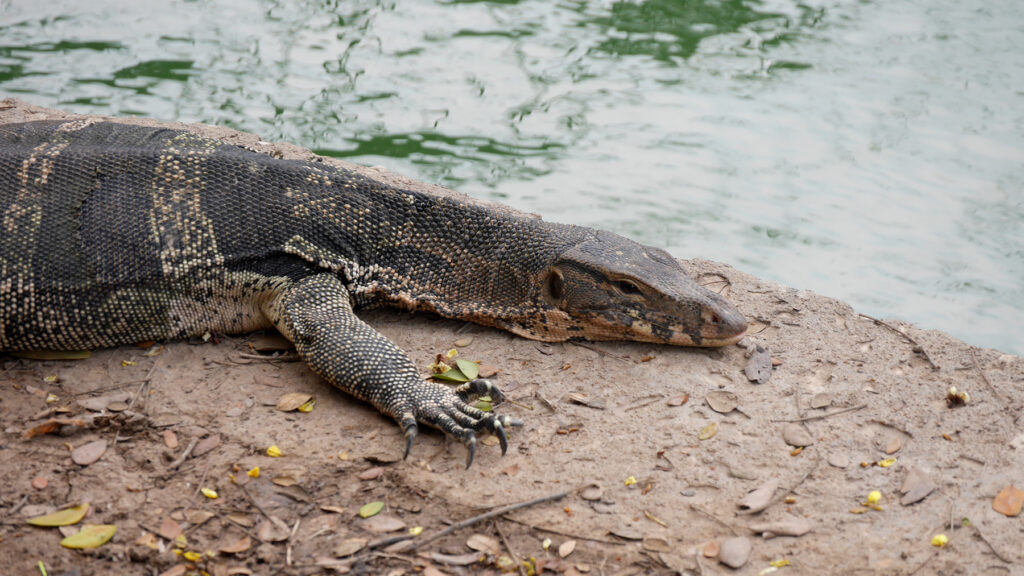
(654, 398)
(566, 534)
(511, 552)
(600, 351)
(254, 502)
(206, 471)
(142, 386)
(917, 347)
(822, 416)
(488, 515)
(991, 388)
(977, 531)
(291, 542)
(281, 358)
(707, 514)
(893, 426)
(788, 491)
(184, 455)
(922, 564)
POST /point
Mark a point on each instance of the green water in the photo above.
(872, 151)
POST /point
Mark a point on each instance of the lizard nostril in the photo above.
(715, 319)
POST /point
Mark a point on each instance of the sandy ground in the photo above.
(596, 416)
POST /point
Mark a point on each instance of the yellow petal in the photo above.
(874, 497)
(209, 493)
(254, 472)
(630, 481)
(274, 452)
(940, 540)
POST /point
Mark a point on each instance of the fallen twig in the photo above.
(487, 515)
(716, 519)
(821, 416)
(917, 347)
(991, 388)
(782, 495)
(184, 455)
(977, 531)
(566, 534)
(254, 502)
(922, 564)
(511, 552)
(600, 351)
(282, 358)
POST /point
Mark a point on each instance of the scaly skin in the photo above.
(112, 234)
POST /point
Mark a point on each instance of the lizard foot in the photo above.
(449, 411)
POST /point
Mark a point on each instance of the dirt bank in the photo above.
(596, 415)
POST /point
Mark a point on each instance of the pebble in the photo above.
(796, 435)
(170, 439)
(711, 549)
(734, 552)
(463, 342)
(39, 482)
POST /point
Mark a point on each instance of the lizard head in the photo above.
(611, 288)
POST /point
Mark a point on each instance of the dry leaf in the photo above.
(292, 401)
(349, 547)
(678, 400)
(721, 401)
(566, 548)
(65, 517)
(169, 529)
(273, 530)
(708, 432)
(483, 543)
(916, 487)
(237, 547)
(88, 453)
(759, 498)
(90, 536)
(759, 367)
(1009, 501)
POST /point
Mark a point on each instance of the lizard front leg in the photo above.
(316, 314)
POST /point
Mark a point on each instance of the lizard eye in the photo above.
(627, 287)
(554, 286)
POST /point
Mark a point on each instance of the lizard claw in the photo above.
(471, 449)
(411, 430)
(410, 435)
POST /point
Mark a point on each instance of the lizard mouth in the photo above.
(608, 324)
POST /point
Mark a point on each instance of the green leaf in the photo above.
(90, 536)
(453, 375)
(470, 369)
(371, 509)
(65, 517)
